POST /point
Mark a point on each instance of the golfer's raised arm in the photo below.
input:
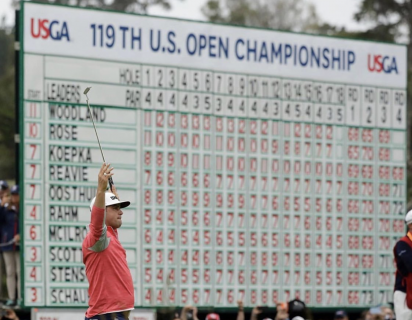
(98, 215)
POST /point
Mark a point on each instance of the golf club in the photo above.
(111, 183)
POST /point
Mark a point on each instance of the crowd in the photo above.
(293, 310)
(9, 240)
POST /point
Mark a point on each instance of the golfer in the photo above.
(111, 293)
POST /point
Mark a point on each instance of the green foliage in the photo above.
(384, 11)
(378, 33)
(294, 15)
(7, 104)
(138, 6)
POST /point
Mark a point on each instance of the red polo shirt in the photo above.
(110, 281)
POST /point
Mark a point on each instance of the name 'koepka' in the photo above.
(70, 154)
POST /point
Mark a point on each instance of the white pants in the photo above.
(12, 262)
(402, 311)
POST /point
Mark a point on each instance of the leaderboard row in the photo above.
(59, 73)
(359, 106)
(368, 113)
(224, 297)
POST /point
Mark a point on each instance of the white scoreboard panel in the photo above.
(260, 165)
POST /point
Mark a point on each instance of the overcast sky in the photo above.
(337, 12)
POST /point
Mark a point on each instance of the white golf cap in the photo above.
(408, 217)
(111, 199)
(298, 318)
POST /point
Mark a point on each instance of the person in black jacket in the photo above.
(402, 251)
(9, 239)
(4, 188)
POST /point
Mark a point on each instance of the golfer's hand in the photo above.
(104, 174)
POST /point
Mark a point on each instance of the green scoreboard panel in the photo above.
(261, 165)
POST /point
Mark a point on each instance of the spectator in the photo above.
(376, 313)
(4, 187)
(9, 220)
(341, 315)
(9, 314)
(297, 308)
(189, 312)
(388, 313)
(402, 251)
(258, 310)
(282, 311)
(377, 316)
(365, 315)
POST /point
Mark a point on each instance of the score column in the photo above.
(32, 187)
(33, 206)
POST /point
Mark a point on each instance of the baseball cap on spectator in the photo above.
(408, 217)
(375, 310)
(340, 314)
(14, 189)
(298, 318)
(4, 185)
(212, 316)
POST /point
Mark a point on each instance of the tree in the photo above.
(293, 15)
(387, 17)
(7, 104)
(137, 6)
(377, 34)
(390, 19)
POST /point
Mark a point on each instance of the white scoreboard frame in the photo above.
(336, 106)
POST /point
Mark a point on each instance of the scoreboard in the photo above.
(261, 165)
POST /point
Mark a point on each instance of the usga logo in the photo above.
(379, 63)
(44, 29)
